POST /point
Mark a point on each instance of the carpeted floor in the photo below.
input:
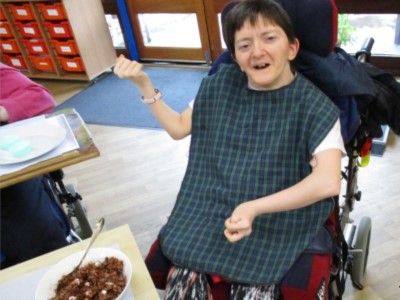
(114, 101)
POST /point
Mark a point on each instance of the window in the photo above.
(115, 30)
(381, 27)
(170, 30)
(390, 63)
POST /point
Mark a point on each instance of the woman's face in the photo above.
(264, 53)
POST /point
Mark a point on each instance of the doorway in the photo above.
(179, 30)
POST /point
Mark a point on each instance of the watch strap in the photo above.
(153, 99)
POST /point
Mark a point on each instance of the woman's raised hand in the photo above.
(132, 70)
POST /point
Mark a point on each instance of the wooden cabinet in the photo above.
(66, 39)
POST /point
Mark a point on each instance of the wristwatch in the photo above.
(153, 99)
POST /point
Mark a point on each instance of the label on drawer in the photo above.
(7, 46)
(66, 49)
(3, 31)
(29, 30)
(16, 62)
(37, 49)
(59, 30)
(22, 12)
(52, 12)
(72, 65)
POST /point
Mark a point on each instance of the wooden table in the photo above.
(142, 286)
(87, 150)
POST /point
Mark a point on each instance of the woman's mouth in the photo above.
(261, 66)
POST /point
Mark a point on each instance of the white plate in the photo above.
(47, 285)
(42, 137)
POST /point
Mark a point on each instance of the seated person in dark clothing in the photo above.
(29, 224)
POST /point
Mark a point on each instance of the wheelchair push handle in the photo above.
(367, 46)
(365, 52)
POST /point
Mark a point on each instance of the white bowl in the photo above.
(47, 285)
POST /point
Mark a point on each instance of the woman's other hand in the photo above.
(239, 225)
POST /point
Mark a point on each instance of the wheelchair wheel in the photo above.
(360, 260)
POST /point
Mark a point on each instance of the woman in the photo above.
(264, 162)
(29, 225)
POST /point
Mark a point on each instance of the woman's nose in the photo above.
(258, 49)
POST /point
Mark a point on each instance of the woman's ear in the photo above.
(294, 49)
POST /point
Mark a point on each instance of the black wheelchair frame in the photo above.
(69, 203)
(354, 240)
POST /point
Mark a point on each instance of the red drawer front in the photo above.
(52, 12)
(9, 46)
(68, 47)
(29, 30)
(42, 63)
(71, 64)
(16, 61)
(36, 46)
(59, 30)
(2, 14)
(21, 12)
(5, 30)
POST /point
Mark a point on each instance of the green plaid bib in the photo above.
(247, 144)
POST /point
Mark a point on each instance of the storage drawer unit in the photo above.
(52, 40)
